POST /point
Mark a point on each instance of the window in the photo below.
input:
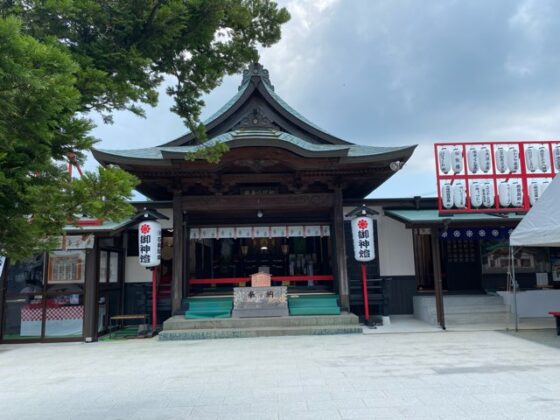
(108, 266)
(66, 267)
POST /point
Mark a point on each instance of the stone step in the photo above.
(488, 318)
(459, 301)
(465, 312)
(178, 322)
(213, 333)
(465, 309)
(472, 304)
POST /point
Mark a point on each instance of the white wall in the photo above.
(166, 224)
(134, 272)
(396, 251)
(533, 303)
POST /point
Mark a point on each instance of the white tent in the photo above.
(541, 225)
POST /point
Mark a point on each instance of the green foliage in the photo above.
(124, 48)
(211, 153)
(60, 59)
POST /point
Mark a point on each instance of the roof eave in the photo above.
(107, 158)
(403, 155)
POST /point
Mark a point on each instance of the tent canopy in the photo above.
(541, 225)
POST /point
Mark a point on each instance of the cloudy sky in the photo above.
(398, 72)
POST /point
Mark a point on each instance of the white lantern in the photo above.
(362, 234)
(542, 187)
(534, 192)
(501, 159)
(447, 195)
(556, 156)
(444, 160)
(516, 194)
(531, 159)
(473, 160)
(149, 243)
(504, 194)
(544, 159)
(484, 159)
(459, 196)
(457, 160)
(476, 194)
(487, 195)
(513, 159)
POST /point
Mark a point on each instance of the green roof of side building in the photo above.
(432, 217)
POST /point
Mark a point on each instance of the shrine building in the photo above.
(277, 202)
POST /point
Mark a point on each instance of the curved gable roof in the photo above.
(256, 81)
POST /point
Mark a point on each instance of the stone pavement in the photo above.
(430, 375)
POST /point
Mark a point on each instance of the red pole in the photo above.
(364, 287)
(154, 300)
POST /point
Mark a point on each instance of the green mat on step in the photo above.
(213, 307)
(121, 334)
(313, 305)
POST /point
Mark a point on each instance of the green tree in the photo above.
(39, 126)
(60, 59)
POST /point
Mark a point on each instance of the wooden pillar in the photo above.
(3, 288)
(178, 254)
(187, 256)
(340, 251)
(437, 278)
(91, 298)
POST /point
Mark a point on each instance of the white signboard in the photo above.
(362, 234)
(149, 243)
(75, 242)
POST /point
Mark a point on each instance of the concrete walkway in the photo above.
(430, 375)
(409, 324)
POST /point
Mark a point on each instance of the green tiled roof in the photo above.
(256, 70)
(433, 216)
(291, 110)
(228, 104)
(255, 137)
(104, 227)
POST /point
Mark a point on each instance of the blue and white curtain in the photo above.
(476, 233)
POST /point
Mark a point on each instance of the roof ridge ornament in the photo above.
(255, 70)
(256, 119)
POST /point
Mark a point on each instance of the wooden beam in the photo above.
(91, 293)
(340, 251)
(3, 288)
(212, 203)
(436, 255)
(178, 253)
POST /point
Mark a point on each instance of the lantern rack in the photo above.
(458, 166)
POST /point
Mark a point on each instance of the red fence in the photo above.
(238, 280)
(499, 177)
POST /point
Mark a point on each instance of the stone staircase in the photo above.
(179, 328)
(477, 311)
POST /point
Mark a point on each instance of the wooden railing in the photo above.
(238, 280)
